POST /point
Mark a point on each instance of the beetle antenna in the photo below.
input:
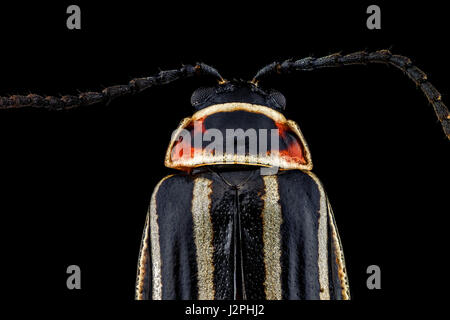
(362, 57)
(109, 93)
(211, 71)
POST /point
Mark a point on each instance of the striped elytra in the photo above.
(285, 246)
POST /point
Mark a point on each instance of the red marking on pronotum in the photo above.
(281, 129)
(199, 126)
(294, 151)
(195, 128)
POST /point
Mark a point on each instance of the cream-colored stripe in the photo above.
(340, 260)
(152, 224)
(142, 261)
(265, 160)
(322, 238)
(203, 237)
(154, 241)
(237, 106)
(272, 220)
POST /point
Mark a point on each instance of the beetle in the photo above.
(225, 227)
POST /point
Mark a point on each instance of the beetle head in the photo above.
(237, 91)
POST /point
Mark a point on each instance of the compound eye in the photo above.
(201, 95)
(278, 98)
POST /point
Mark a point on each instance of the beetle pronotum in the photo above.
(222, 230)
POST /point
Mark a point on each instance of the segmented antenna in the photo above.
(363, 57)
(106, 95)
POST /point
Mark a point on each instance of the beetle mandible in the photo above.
(223, 228)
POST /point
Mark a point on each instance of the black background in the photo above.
(77, 184)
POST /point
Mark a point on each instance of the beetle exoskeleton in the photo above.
(222, 228)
